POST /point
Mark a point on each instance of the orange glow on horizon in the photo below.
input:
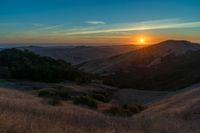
(143, 40)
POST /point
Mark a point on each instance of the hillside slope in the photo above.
(26, 65)
(177, 113)
(185, 100)
(147, 56)
(22, 112)
(170, 65)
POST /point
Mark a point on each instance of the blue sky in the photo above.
(98, 21)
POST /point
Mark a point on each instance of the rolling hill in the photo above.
(144, 57)
(169, 65)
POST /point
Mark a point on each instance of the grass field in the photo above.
(25, 113)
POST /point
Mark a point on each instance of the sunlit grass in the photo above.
(22, 113)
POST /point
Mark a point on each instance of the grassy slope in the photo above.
(179, 112)
(21, 113)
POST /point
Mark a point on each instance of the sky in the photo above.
(98, 21)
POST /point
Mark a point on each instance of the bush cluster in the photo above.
(53, 93)
(124, 111)
(86, 101)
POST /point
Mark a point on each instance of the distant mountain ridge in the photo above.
(80, 54)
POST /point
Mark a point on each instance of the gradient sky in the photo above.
(98, 21)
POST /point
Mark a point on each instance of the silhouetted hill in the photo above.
(144, 57)
(169, 65)
(18, 64)
(172, 73)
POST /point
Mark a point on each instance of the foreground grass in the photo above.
(25, 113)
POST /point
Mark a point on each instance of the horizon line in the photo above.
(90, 44)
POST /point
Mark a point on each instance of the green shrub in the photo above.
(50, 93)
(45, 93)
(101, 97)
(124, 111)
(85, 100)
(63, 95)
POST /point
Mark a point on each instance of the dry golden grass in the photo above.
(24, 113)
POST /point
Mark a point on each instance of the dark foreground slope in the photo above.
(25, 65)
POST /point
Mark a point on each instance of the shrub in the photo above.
(50, 93)
(125, 111)
(85, 100)
(101, 97)
(45, 93)
(63, 95)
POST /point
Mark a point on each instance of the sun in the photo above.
(142, 40)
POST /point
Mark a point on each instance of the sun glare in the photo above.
(142, 40)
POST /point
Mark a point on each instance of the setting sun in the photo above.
(142, 40)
